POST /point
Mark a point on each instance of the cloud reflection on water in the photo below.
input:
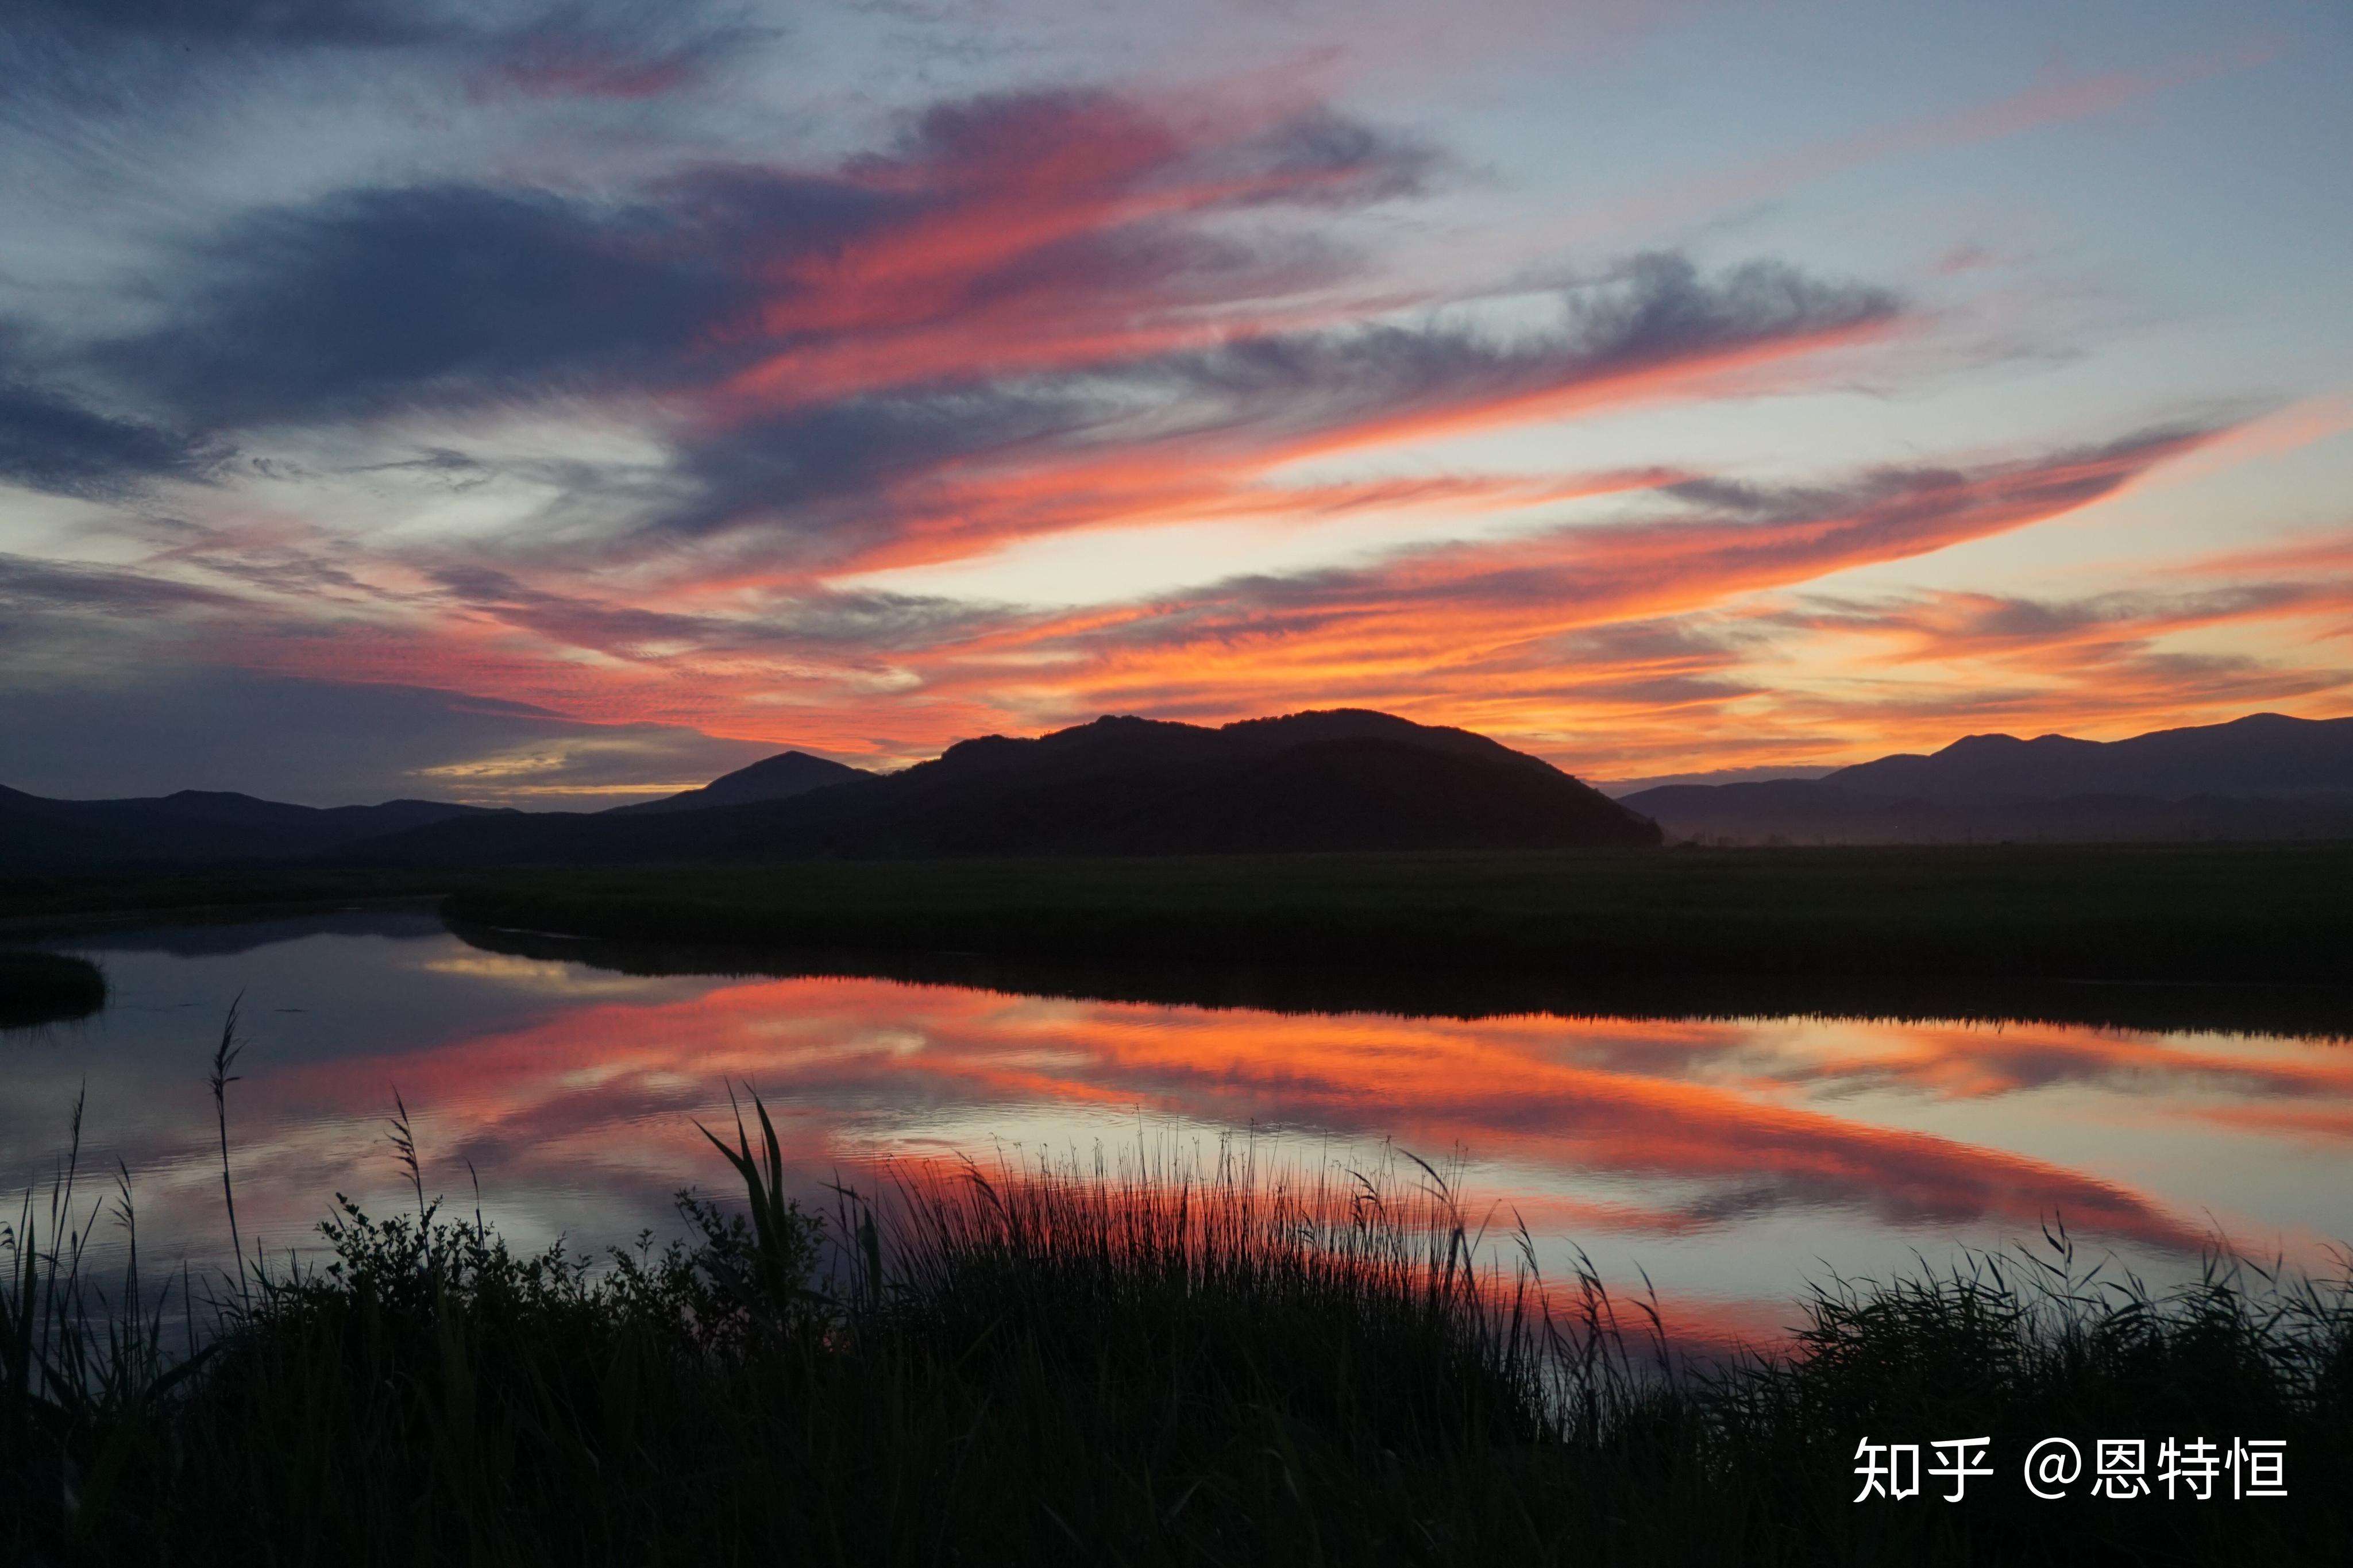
(1738, 1150)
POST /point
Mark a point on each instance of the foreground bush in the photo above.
(1055, 1365)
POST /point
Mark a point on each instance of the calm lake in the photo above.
(1730, 1161)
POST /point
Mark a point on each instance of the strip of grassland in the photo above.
(2170, 914)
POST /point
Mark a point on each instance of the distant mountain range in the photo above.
(779, 777)
(1339, 780)
(193, 825)
(2264, 777)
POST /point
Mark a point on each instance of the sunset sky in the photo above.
(540, 403)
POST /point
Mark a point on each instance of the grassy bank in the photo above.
(47, 988)
(1039, 1367)
(2161, 937)
(1462, 991)
(40, 904)
(2240, 914)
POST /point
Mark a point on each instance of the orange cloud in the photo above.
(1633, 628)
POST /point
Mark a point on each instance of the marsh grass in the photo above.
(1145, 1360)
(1614, 922)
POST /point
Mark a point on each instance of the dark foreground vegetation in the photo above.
(1042, 1366)
(37, 904)
(47, 987)
(2242, 914)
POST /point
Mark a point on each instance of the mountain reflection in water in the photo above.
(1731, 1158)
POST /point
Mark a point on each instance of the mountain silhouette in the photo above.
(1344, 779)
(192, 827)
(2264, 776)
(1340, 780)
(2265, 755)
(779, 777)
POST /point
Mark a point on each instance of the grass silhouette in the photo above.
(1147, 1361)
(2248, 913)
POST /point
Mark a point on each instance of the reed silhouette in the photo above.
(1153, 1359)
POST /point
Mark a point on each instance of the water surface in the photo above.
(1730, 1160)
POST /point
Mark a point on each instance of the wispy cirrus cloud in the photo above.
(2059, 97)
(1629, 628)
(942, 470)
(1030, 313)
(688, 427)
(1487, 614)
(999, 235)
(2195, 639)
(564, 47)
(55, 441)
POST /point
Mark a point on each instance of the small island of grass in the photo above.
(39, 987)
